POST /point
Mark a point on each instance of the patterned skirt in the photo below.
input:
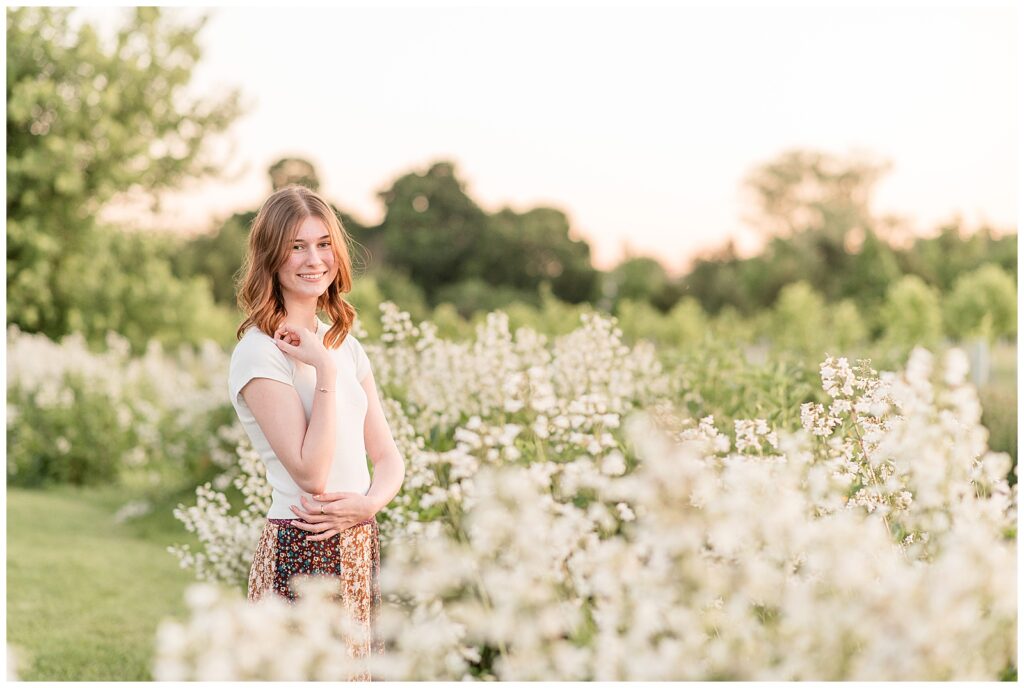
(353, 556)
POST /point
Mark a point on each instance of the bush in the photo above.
(847, 327)
(67, 434)
(911, 314)
(798, 321)
(983, 304)
(84, 417)
(123, 283)
(553, 317)
(473, 295)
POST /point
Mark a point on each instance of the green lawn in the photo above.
(84, 594)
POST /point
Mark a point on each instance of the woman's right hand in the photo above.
(302, 345)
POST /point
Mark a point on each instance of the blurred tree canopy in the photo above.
(87, 121)
(441, 238)
(524, 250)
(217, 255)
(804, 190)
(431, 227)
(639, 278)
(983, 304)
(294, 171)
(815, 209)
(434, 245)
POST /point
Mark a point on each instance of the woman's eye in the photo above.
(326, 243)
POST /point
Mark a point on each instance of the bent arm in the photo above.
(306, 451)
(388, 466)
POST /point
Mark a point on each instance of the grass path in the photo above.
(84, 594)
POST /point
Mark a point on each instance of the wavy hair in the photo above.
(275, 227)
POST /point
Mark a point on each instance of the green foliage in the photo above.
(87, 121)
(815, 212)
(689, 321)
(686, 324)
(716, 379)
(911, 314)
(847, 325)
(451, 325)
(639, 319)
(524, 250)
(999, 415)
(941, 259)
(217, 256)
(78, 439)
(730, 326)
(799, 320)
(107, 417)
(866, 274)
(983, 304)
(396, 287)
(638, 279)
(554, 317)
(475, 296)
(431, 227)
(452, 249)
(122, 282)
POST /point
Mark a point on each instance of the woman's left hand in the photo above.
(342, 510)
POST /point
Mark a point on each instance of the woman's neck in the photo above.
(301, 315)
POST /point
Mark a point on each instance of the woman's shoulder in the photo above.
(256, 343)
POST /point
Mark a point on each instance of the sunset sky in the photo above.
(639, 123)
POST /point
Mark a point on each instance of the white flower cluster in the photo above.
(228, 540)
(162, 398)
(228, 638)
(133, 509)
(872, 544)
(914, 449)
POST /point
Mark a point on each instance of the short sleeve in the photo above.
(257, 356)
(362, 361)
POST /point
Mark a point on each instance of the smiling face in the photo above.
(311, 266)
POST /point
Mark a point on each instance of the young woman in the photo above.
(305, 394)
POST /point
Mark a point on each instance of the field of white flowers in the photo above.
(563, 518)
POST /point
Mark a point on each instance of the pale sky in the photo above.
(639, 123)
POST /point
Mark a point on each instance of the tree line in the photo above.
(88, 121)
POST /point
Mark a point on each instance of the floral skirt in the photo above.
(353, 556)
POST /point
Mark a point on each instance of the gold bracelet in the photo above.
(324, 389)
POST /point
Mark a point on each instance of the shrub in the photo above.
(911, 314)
(983, 304)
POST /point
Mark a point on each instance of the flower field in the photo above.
(579, 508)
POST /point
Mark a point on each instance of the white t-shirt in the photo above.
(256, 355)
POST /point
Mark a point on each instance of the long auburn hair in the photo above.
(273, 230)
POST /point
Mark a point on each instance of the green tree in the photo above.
(431, 227)
(639, 279)
(814, 211)
(141, 303)
(218, 255)
(215, 256)
(798, 319)
(911, 315)
(846, 325)
(294, 171)
(803, 190)
(939, 260)
(523, 250)
(87, 121)
(983, 304)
